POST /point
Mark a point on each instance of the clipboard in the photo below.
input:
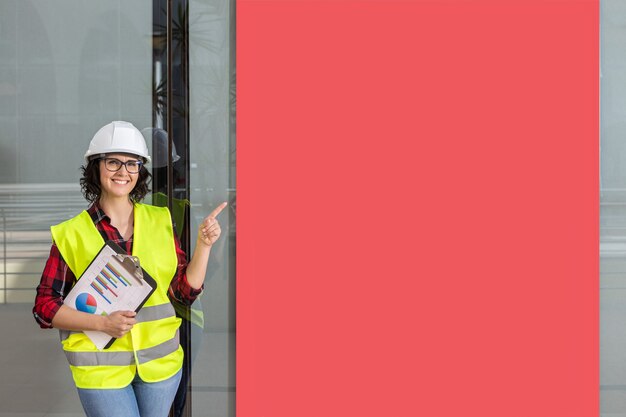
(113, 281)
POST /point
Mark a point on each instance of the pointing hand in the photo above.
(209, 231)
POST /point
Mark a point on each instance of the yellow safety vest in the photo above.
(152, 346)
(190, 313)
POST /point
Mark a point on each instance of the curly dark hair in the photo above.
(90, 182)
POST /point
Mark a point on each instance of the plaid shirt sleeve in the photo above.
(56, 282)
(180, 290)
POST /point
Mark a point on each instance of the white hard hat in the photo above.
(118, 137)
(159, 146)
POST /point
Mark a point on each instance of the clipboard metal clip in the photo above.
(131, 264)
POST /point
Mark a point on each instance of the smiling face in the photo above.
(119, 183)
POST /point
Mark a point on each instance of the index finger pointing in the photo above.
(218, 210)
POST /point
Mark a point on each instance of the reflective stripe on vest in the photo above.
(152, 313)
(152, 346)
(99, 358)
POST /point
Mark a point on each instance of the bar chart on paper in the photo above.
(108, 281)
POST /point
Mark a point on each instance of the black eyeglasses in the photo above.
(114, 165)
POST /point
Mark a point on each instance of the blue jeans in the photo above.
(139, 399)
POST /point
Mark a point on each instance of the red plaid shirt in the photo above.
(57, 279)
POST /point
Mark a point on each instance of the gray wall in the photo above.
(67, 67)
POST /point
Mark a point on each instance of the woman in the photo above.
(139, 374)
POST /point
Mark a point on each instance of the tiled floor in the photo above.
(36, 381)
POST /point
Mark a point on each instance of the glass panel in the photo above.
(212, 180)
(67, 68)
(612, 208)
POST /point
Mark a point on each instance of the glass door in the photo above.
(197, 173)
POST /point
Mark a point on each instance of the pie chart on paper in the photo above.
(85, 302)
